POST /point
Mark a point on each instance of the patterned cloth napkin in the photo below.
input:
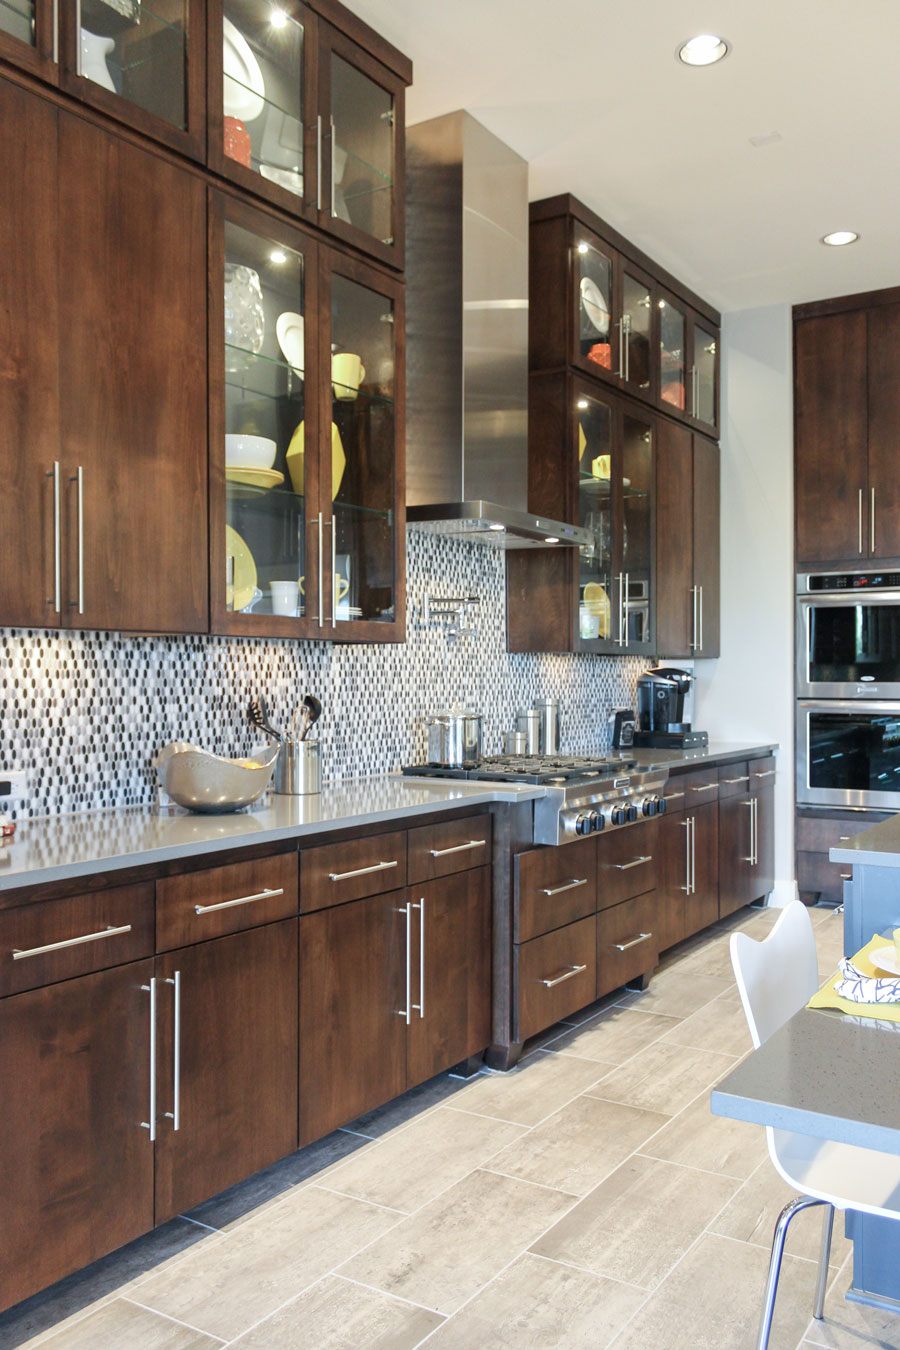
(854, 988)
(858, 987)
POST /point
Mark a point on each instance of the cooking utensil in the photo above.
(259, 716)
(209, 783)
(314, 711)
(454, 739)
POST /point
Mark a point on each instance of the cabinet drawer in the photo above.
(554, 886)
(218, 900)
(734, 779)
(351, 870)
(449, 846)
(555, 975)
(87, 932)
(819, 835)
(627, 862)
(762, 773)
(817, 873)
(698, 787)
(628, 941)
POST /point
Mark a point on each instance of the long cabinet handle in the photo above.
(457, 848)
(745, 778)
(700, 643)
(151, 1123)
(623, 946)
(78, 69)
(635, 862)
(406, 1012)
(56, 32)
(175, 1114)
(241, 900)
(570, 973)
(620, 640)
(361, 871)
(749, 802)
(566, 886)
(707, 787)
(319, 162)
(331, 139)
(693, 855)
(671, 796)
(421, 1003)
(765, 773)
(78, 479)
(625, 611)
(756, 832)
(693, 642)
(333, 563)
(321, 578)
(872, 522)
(620, 324)
(57, 542)
(859, 518)
(686, 825)
(108, 932)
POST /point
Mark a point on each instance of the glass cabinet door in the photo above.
(359, 471)
(637, 470)
(672, 354)
(595, 333)
(704, 405)
(267, 432)
(637, 322)
(27, 36)
(594, 423)
(18, 20)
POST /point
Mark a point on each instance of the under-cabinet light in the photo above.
(501, 529)
(703, 50)
(551, 539)
(839, 237)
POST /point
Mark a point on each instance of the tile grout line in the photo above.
(177, 1321)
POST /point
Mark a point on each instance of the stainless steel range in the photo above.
(583, 795)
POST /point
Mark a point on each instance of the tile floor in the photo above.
(588, 1199)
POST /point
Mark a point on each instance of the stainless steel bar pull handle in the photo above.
(405, 1012)
(859, 513)
(620, 324)
(693, 855)
(765, 773)
(749, 802)
(175, 1114)
(319, 163)
(331, 139)
(20, 955)
(755, 831)
(694, 631)
(672, 796)
(625, 611)
(457, 848)
(745, 778)
(572, 971)
(333, 551)
(700, 642)
(241, 900)
(623, 946)
(321, 578)
(56, 32)
(151, 1123)
(709, 787)
(620, 640)
(57, 543)
(421, 1003)
(635, 862)
(78, 479)
(78, 69)
(361, 871)
(872, 522)
(686, 825)
(566, 886)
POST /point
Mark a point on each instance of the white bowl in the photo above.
(249, 452)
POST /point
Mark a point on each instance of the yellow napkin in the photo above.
(827, 998)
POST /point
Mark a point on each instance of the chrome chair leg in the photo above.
(824, 1258)
(778, 1239)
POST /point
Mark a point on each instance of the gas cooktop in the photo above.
(546, 769)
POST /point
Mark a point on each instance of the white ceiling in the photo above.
(590, 93)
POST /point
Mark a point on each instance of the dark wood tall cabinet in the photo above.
(687, 542)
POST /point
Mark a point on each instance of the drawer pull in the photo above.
(361, 871)
(573, 970)
(457, 848)
(745, 779)
(241, 900)
(635, 862)
(623, 946)
(767, 773)
(710, 787)
(671, 796)
(108, 932)
(566, 886)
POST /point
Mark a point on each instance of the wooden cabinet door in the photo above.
(75, 1086)
(830, 437)
(702, 905)
(451, 961)
(675, 606)
(353, 964)
(763, 876)
(29, 378)
(232, 1022)
(735, 879)
(673, 878)
(706, 508)
(132, 362)
(883, 536)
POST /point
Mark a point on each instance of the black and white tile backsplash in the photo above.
(86, 713)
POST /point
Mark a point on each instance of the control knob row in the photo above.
(588, 822)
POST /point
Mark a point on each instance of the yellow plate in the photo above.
(262, 478)
(295, 458)
(244, 568)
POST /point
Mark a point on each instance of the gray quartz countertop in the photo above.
(717, 752)
(878, 846)
(55, 848)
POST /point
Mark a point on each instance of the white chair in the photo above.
(775, 979)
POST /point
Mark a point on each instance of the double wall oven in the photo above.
(848, 690)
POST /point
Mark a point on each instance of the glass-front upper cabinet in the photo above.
(28, 37)
(705, 375)
(593, 420)
(672, 352)
(141, 61)
(263, 427)
(635, 629)
(637, 367)
(360, 531)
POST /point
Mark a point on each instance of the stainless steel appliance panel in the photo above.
(848, 753)
(848, 635)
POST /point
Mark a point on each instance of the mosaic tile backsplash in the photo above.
(86, 713)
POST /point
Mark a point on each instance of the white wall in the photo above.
(748, 693)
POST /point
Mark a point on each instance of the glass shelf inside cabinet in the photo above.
(265, 481)
(262, 91)
(139, 51)
(17, 19)
(672, 331)
(362, 165)
(593, 270)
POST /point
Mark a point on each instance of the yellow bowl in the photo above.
(295, 458)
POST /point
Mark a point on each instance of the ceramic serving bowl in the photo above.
(210, 784)
(249, 452)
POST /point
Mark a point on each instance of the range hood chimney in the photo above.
(467, 339)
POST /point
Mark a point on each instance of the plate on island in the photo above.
(885, 958)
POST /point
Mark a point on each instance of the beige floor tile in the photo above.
(339, 1315)
(412, 1166)
(534, 1089)
(639, 1222)
(246, 1274)
(697, 1138)
(713, 1298)
(122, 1323)
(592, 1009)
(579, 1145)
(751, 1216)
(710, 957)
(677, 992)
(663, 1078)
(442, 1255)
(612, 1036)
(536, 1305)
(399, 1112)
(852, 1326)
(720, 1025)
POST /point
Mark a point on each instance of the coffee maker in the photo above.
(662, 692)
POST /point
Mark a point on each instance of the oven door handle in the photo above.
(850, 705)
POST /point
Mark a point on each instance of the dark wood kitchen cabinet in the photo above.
(689, 861)
(28, 37)
(687, 542)
(746, 832)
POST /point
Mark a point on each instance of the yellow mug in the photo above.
(341, 587)
(347, 374)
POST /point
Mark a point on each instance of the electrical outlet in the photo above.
(13, 787)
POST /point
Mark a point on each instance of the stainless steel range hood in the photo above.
(467, 339)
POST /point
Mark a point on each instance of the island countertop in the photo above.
(878, 846)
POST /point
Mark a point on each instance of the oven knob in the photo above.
(618, 815)
(651, 806)
(632, 813)
(597, 821)
(660, 806)
(583, 823)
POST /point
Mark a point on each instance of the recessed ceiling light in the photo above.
(552, 539)
(278, 256)
(838, 237)
(703, 50)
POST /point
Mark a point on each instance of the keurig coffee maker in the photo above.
(661, 697)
